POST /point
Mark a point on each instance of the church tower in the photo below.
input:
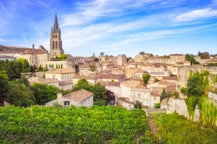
(55, 40)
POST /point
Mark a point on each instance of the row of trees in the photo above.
(16, 90)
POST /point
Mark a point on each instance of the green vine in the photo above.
(208, 112)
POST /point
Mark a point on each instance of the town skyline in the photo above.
(153, 26)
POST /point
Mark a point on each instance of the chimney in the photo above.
(59, 95)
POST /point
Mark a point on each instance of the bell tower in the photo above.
(55, 40)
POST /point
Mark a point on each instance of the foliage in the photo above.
(96, 59)
(102, 54)
(145, 78)
(25, 64)
(165, 95)
(191, 103)
(208, 113)
(63, 56)
(176, 129)
(73, 125)
(138, 105)
(3, 86)
(97, 89)
(211, 64)
(184, 90)
(157, 105)
(44, 93)
(191, 59)
(15, 68)
(197, 84)
(19, 94)
(92, 68)
(156, 80)
(203, 55)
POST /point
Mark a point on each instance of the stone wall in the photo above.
(179, 106)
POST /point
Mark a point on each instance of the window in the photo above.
(66, 103)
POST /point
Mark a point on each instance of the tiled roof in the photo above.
(21, 50)
(133, 84)
(79, 95)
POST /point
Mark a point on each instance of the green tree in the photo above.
(19, 95)
(165, 94)
(25, 64)
(44, 93)
(3, 86)
(145, 78)
(197, 84)
(99, 91)
(92, 68)
(191, 59)
(63, 56)
(138, 105)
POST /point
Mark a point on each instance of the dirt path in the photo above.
(153, 126)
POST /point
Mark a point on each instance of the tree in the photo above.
(25, 64)
(92, 68)
(197, 84)
(63, 56)
(102, 54)
(145, 78)
(14, 70)
(3, 86)
(191, 59)
(203, 55)
(99, 91)
(142, 53)
(165, 94)
(19, 95)
(138, 105)
(44, 93)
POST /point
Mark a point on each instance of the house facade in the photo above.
(77, 98)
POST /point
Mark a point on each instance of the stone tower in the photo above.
(55, 40)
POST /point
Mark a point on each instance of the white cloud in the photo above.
(196, 14)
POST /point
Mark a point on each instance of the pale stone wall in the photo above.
(179, 106)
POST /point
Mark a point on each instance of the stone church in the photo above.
(55, 40)
(39, 57)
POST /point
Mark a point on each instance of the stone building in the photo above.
(34, 56)
(55, 40)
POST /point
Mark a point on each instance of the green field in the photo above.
(176, 129)
(72, 125)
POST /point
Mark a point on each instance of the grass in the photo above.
(173, 128)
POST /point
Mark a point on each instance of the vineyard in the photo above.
(174, 128)
(72, 125)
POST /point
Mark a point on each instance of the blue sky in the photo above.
(113, 26)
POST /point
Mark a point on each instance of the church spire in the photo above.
(56, 25)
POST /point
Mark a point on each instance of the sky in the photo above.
(113, 27)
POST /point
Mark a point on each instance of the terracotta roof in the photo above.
(22, 50)
(62, 83)
(133, 84)
(126, 100)
(79, 95)
(84, 77)
(117, 84)
(111, 76)
(170, 78)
